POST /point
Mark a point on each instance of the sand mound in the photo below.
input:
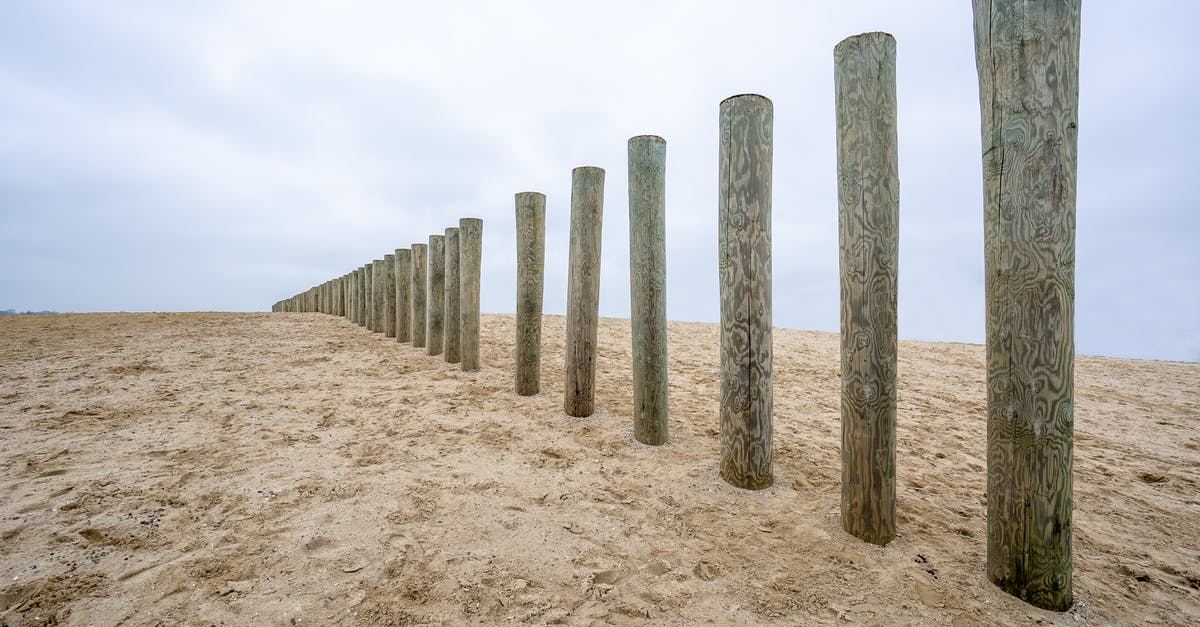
(276, 468)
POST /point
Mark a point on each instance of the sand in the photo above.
(297, 469)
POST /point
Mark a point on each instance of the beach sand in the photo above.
(297, 469)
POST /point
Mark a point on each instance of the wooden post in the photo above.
(435, 296)
(354, 287)
(531, 256)
(470, 248)
(376, 274)
(389, 295)
(648, 286)
(420, 268)
(583, 290)
(1027, 55)
(403, 282)
(451, 322)
(362, 296)
(744, 234)
(868, 222)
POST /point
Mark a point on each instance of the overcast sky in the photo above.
(222, 156)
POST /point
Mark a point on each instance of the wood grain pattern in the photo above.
(376, 275)
(1027, 55)
(531, 257)
(868, 228)
(744, 233)
(362, 296)
(452, 325)
(435, 296)
(470, 246)
(403, 282)
(648, 286)
(388, 284)
(583, 291)
(420, 268)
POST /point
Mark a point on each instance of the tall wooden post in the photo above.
(1027, 55)
(451, 323)
(583, 290)
(376, 274)
(403, 282)
(435, 296)
(363, 295)
(531, 256)
(744, 233)
(470, 247)
(648, 286)
(389, 295)
(420, 268)
(868, 223)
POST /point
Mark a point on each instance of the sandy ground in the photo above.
(295, 468)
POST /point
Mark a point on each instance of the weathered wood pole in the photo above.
(451, 324)
(363, 295)
(1027, 54)
(377, 296)
(389, 295)
(354, 288)
(420, 268)
(744, 233)
(864, 82)
(648, 286)
(403, 282)
(583, 290)
(531, 257)
(435, 296)
(470, 249)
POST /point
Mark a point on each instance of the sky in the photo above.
(180, 156)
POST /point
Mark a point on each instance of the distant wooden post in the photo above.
(389, 295)
(420, 268)
(868, 223)
(744, 234)
(648, 286)
(363, 295)
(583, 290)
(435, 297)
(403, 282)
(376, 274)
(451, 323)
(470, 247)
(356, 283)
(1027, 54)
(531, 256)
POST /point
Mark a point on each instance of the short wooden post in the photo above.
(451, 326)
(403, 282)
(744, 234)
(389, 295)
(531, 256)
(868, 223)
(1027, 55)
(583, 290)
(435, 296)
(648, 286)
(470, 251)
(420, 268)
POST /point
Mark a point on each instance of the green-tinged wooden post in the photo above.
(389, 295)
(531, 256)
(744, 234)
(583, 290)
(376, 274)
(648, 286)
(435, 296)
(470, 247)
(403, 281)
(868, 225)
(420, 268)
(1027, 54)
(451, 323)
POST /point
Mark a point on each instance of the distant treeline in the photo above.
(14, 312)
